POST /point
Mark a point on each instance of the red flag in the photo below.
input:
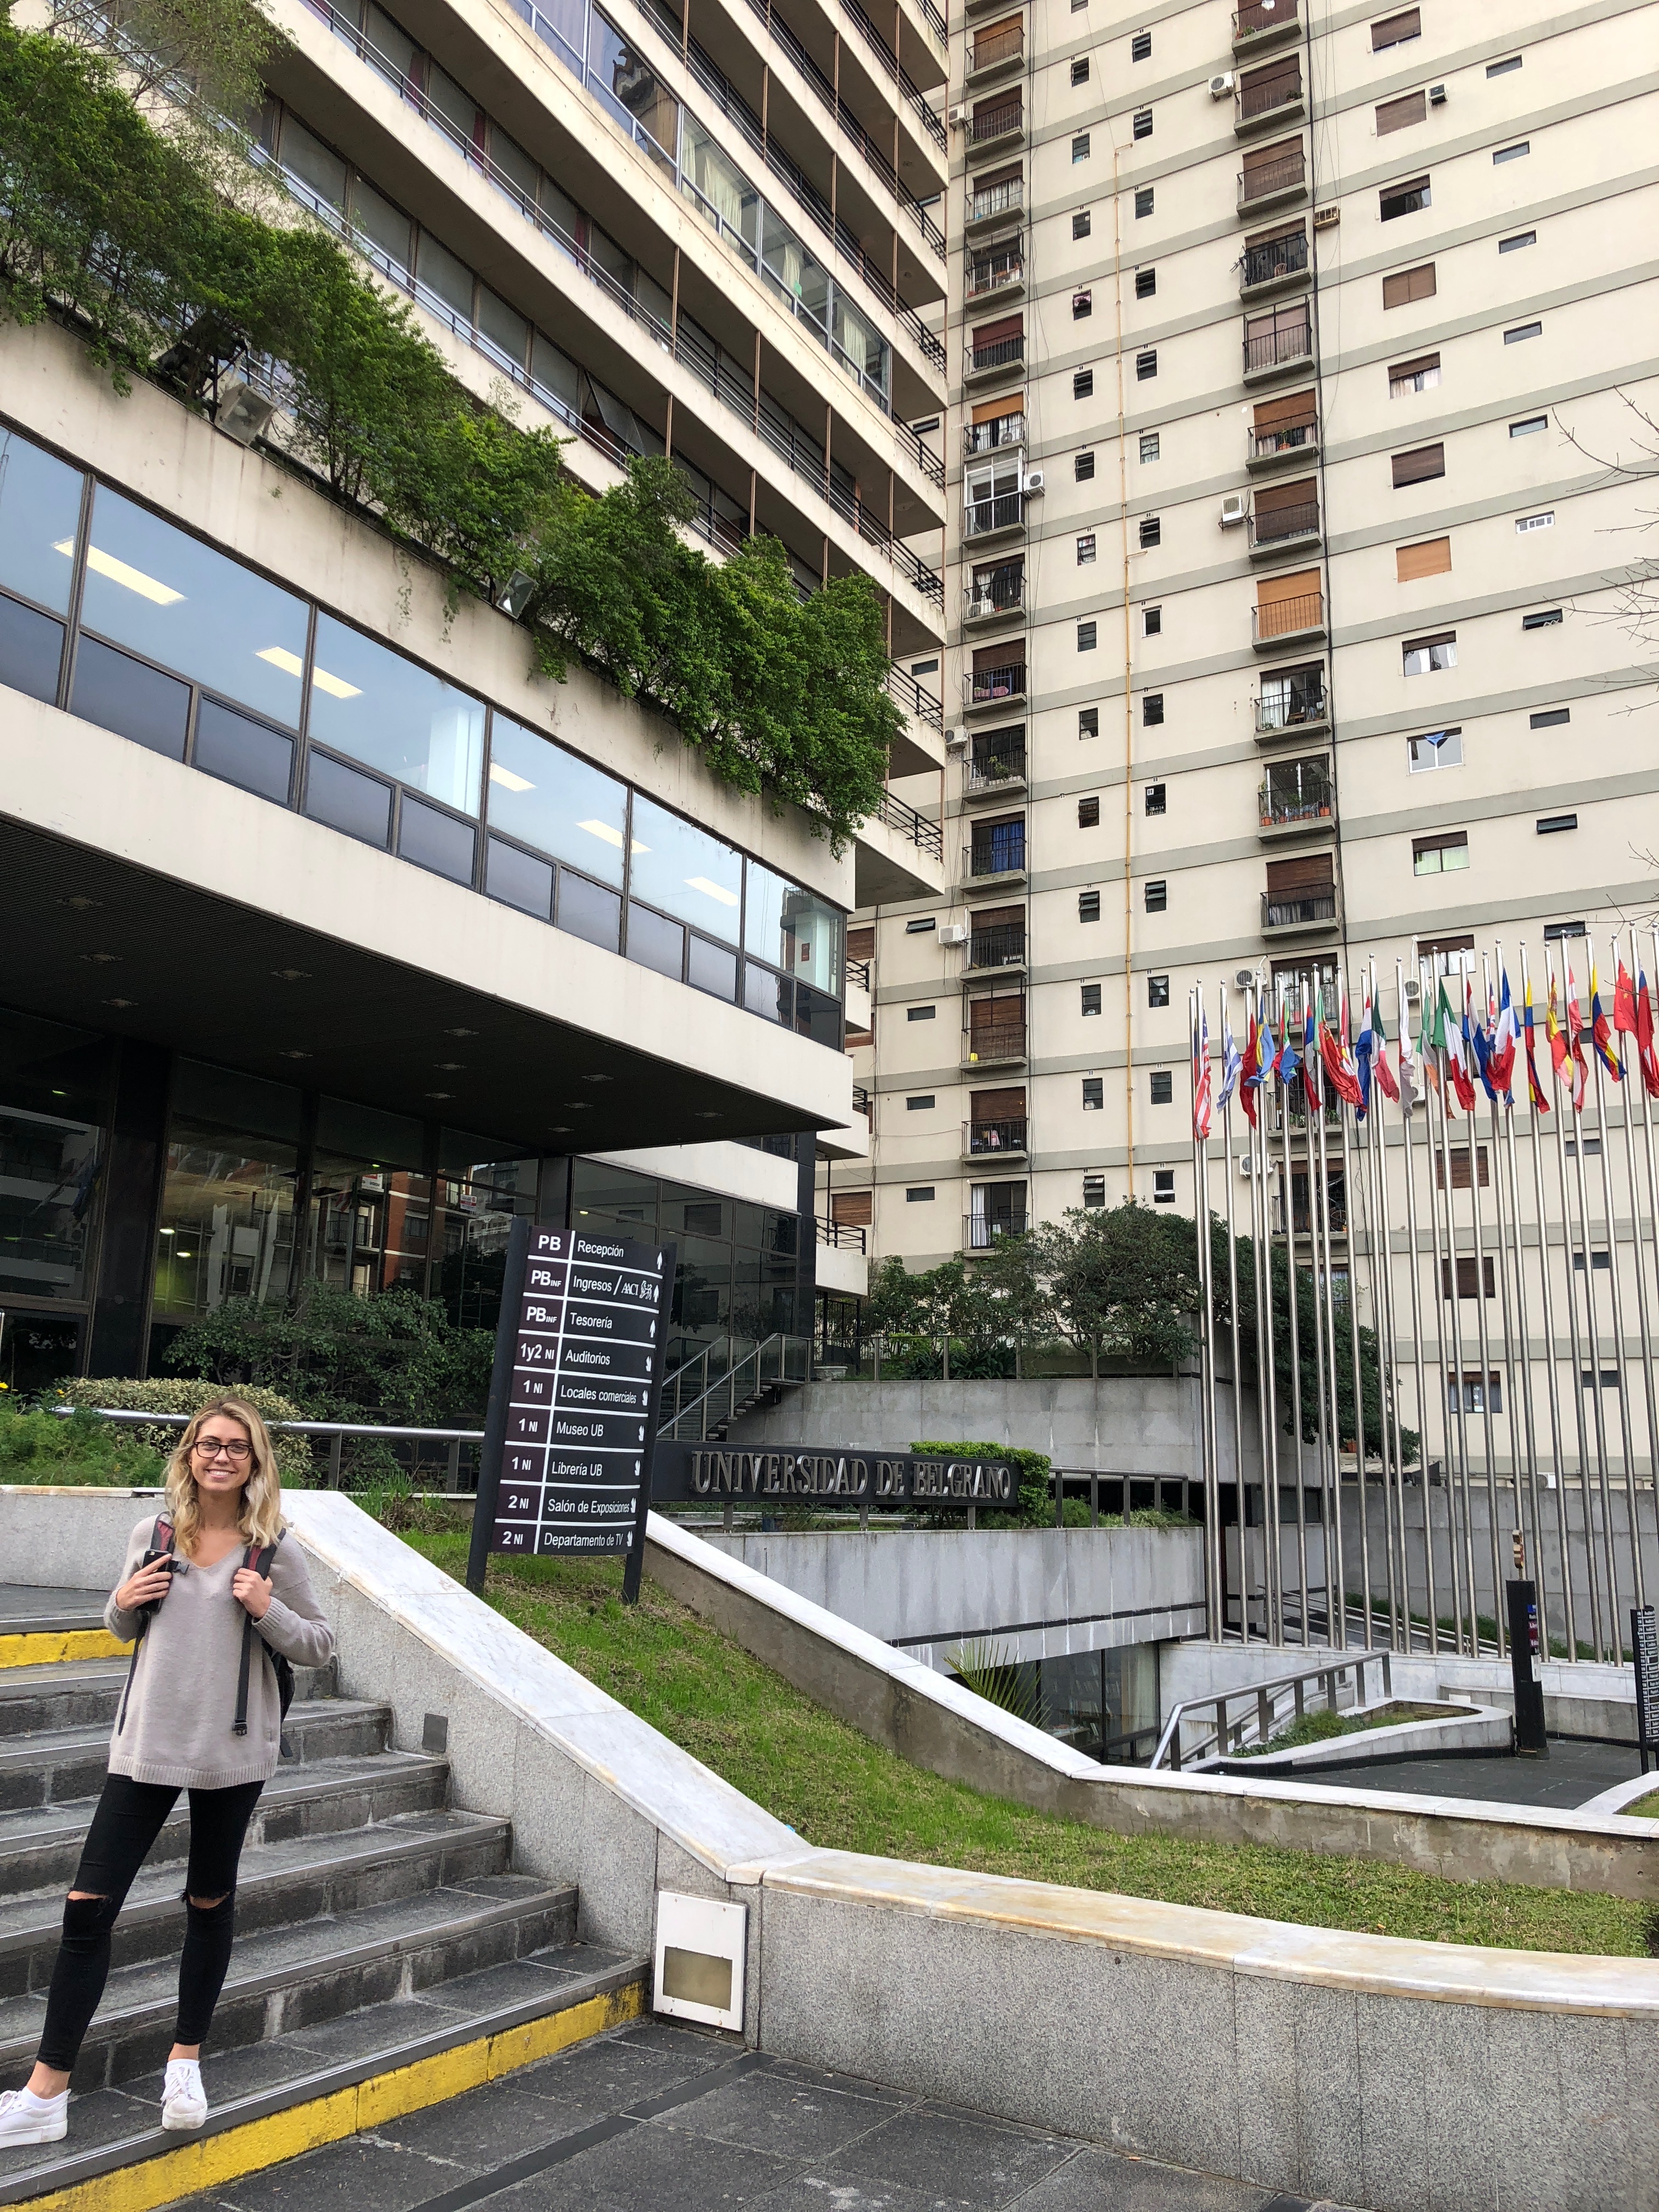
(1575, 1046)
(1624, 1000)
(1344, 1080)
(1644, 1051)
(1249, 1073)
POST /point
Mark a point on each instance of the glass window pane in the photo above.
(379, 221)
(685, 871)
(135, 701)
(458, 109)
(818, 1015)
(709, 968)
(546, 797)
(765, 899)
(384, 711)
(227, 1208)
(229, 746)
(53, 1087)
(436, 841)
(772, 997)
(815, 935)
(392, 51)
(587, 910)
(177, 601)
(359, 805)
(443, 273)
(504, 326)
(369, 1136)
(520, 880)
(555, 373)
(31, 651)
(39, 522)
(518, 170)
(311, 161)
(655, 942)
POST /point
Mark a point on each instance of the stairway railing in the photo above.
(1259, 1710)
(699, 1396)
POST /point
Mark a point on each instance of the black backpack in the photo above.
(162, 1543)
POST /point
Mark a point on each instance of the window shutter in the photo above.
(993, 411)
(997, 1105)
(1272, 498)
(1394, 30)
(1408, 284)
(1308, 871)
(1009, 176)
(861, 944)
(851, 1209)
(1274, 591)
(1265, 157)
(1400, 370)
(1431, 558)
(1420, 465)
(1277, 414)
(1400, 114)
(987, 334)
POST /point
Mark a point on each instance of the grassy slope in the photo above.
(843, 1793)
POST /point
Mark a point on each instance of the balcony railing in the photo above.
(1287, 173)
(995, 590)
(995, 273)
(996, 771)
(1002, 945)
(844, 1235)
(1290, 708)
(992, 48)
(915, 828)
(987, 685)
(987, 857)
(1300, 437)
(1299, 912)
(1258, 16)
(988, 437)
(858, 974)
(1002, 354)
(861, 1100)
(923, 705)
(1300, 519)
(980, 1232)
(1273, 258)
(1005, 511)
(1289, 617)
(1301, 791)
(1004, 1136)
(1006, 198)
(998, 122)
(1277, 348)
(1006, 1041)
(1284, 89)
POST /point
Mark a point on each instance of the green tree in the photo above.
(1123, 1282)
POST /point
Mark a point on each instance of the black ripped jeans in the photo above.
(124, 1830)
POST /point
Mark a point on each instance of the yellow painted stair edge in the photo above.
(46, 1647)
(210, 2162)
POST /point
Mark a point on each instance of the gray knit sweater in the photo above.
(179, 1719)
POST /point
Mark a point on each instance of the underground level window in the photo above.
(1163, 1087)
(1094, 1093)
(1163, 1186)
(1549, 718)
(1158, 990)
(919, 1013)
(1144, 201)
(1548, 619)
(1440, 854)
(1081, 223)
(1091, 999)
(1088, 906)
(1549, 824)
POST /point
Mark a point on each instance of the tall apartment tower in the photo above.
(1290, 347)
(338, 937)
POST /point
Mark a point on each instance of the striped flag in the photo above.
(1201, 1100)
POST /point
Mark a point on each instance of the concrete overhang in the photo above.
(888, 864)
(144, 898)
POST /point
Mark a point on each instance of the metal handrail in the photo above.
(1001, 353)
(1277, 348)
(1002, 946)
(983, 518)
(1006, 198)
(924, 834)
(1285, 255)
(1293, 713)
(985, 685)
(987, 1139)
(336, 1431)
(858, 974)
(1288, 618)
(1256, 100)
(734, 1385)
(1298, 520)
(923, 705)
(1284, 438)
(1263, 1697)
(988, 437)
(996, 122)
(844, 1235)
(1266, 178)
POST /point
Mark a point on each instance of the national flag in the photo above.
(1601, 1032)
(1201, 1076)
(1289, 1059)
(1624, 1000)
(1232, 1065)
(1534, 1085)
(1312, 1025)
(1411, 1070)
(1450, 1039)
(1645, 1050)
(1362, 1058)
(1579, 1078)
(1250, 1071)
(1339, 1064)
(1500, 1059)
(1384, 1072)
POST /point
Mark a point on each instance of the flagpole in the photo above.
(1535, 1129)
(1413, 1258)
(1352, 1211)
(1529, 1430)
(1572, 1243)
(1653, 1202)
(1631, 1064)
(1483, 1339)
(1616, 1298)
(1288, 1208)
(1604, 1485)
(1232, 1304)
(1378, 1252)
(1266, 1381)
(1215, 1580)
(1325, 1312)
(1452, 1380)
(1320, 1430)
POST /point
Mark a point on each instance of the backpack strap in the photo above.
(162, 1529)
(260, 1562)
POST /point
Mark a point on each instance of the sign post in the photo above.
(1644, 1644)
(572, 1422)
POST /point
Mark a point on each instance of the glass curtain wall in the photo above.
(227, 1204)
(54, 1092)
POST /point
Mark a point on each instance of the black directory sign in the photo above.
(1645, 1643)
(572, 1423)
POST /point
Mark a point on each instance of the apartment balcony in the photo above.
(1002, 603)
(1298, 800)
(996, 948)
(980, 1232)
(999, 276)
(856, 1001)
(1284, 444)
(1002, 515)
(996, 54)
(1002, 1044)
(1004, 357)
(997, 204)
(1261, 25)
(1285, 348)
(1002, 1140)
(993, 865)
(993, 437)
(898, 854)
(1293, 708)
(843, 1264)
(1278, 182)
(999, 774)
(1276, 265)
(1293, 528)
(1269, 100)
(1001, 686)
(995, 128)
(1311, 913)
(1287, 622)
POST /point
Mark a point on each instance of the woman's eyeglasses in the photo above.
(212, 1447)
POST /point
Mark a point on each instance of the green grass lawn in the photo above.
(1645, 1808)
(843, 1793)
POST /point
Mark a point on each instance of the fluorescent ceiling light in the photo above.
(336, 686)
(508, 781)
(611, 836)
(118, 572)
(711, 890)
(291, 665)
(280, 657)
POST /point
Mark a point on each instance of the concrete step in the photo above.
(59, 1765)
(293, 1976)
(40, 1845)
(115, 2127)
(281, 1884)
(86, 1693)
(30, 1612)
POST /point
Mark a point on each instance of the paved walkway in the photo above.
(1573, 1773)
(655, 2119)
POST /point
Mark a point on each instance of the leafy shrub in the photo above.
(1033, 1473)
(184, 1394)
(39, 1447)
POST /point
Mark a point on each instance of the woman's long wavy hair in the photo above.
(260, 1520)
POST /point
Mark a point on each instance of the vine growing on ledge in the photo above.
(145, 237)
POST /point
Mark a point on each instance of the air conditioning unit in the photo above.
(1034, 483)
(1436, 95)
(1222, 85)
(244, 414)
(953, 933)
(1413, 992)
(1234, 509)
(958, 114)
(1247, 1164)
(955, 739)
(1243, 978)
(1327, 218)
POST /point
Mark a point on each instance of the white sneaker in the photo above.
(184, 2101)
(26, 2118)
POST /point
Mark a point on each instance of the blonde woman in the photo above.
(201, 1711)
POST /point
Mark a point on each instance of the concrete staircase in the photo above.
(377, 1924)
